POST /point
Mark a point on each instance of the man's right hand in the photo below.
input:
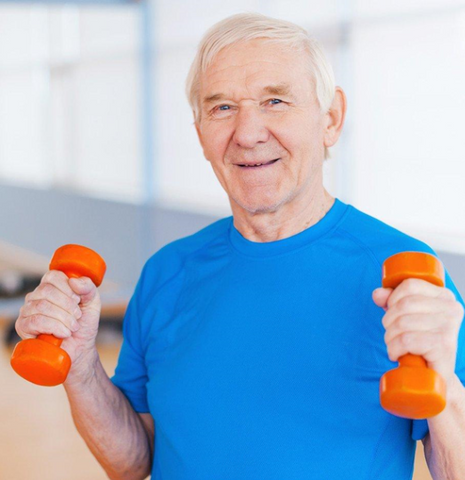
(68, 309)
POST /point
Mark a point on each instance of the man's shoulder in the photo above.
(175, 252)
(167, 265)
(379, 239)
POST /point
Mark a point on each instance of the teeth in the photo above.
(258, 164)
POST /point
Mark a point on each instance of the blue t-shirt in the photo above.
(262, 361)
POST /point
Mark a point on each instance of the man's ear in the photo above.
(335, 118)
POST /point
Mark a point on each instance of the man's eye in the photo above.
(225, 108)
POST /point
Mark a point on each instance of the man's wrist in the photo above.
(455, 389)
(83, 370)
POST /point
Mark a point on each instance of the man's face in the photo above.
(257, 104)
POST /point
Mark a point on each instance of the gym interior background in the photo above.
(98, 147)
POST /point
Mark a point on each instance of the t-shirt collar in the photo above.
(307, 236)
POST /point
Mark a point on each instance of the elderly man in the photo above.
(253, 349)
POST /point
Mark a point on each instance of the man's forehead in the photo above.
(254, 66)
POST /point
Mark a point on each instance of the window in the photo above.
(70, 106)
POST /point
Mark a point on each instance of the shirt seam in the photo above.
(371, 254)
(378, 444)
(183, 263)
(168, 280)
(361, 244)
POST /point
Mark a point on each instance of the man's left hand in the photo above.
(421, 319)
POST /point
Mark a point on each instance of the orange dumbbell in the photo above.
(41, 360)
(412, 390)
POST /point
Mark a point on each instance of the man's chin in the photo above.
(256, 208)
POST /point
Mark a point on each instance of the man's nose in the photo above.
(250, 127)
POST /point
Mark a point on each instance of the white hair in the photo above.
(248, 26)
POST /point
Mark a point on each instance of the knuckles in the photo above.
(405, 303)
(21, 332)
(403, 322)
(448, 294)
(43, 306)
(459, 310)
(34, 320)
(449, 342)
(403, 340)
(46, 289)
(401, 337)
(53, 276)
(410, 285)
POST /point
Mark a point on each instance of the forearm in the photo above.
(445, 450)
(112, 430)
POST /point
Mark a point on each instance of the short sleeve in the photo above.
(420, 427)
(131, 372)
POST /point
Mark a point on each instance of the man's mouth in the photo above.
(259, 165)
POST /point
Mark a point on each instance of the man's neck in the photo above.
(285, 222)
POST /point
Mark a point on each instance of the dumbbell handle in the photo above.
(45, 337)
(410, 360)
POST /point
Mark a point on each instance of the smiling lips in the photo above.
(257, 165)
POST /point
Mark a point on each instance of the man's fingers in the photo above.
(416, 322)
(381, 296)
(47, 291)
(432, 346)
(416, 286)
(410, 305)
(34, 325)
(60, 281)
(85, 288)
(50, 310)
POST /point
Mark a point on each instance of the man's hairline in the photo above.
(300, 47)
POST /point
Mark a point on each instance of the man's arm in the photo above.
(119, 438)
(445, 444)
(425, 319)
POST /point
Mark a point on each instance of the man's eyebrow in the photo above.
(280, 89)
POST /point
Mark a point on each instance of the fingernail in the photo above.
(76, 298)
(78, 313)
(75, 326)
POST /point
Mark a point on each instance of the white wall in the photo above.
(408, 141)
(70, 101)
(71, 104)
